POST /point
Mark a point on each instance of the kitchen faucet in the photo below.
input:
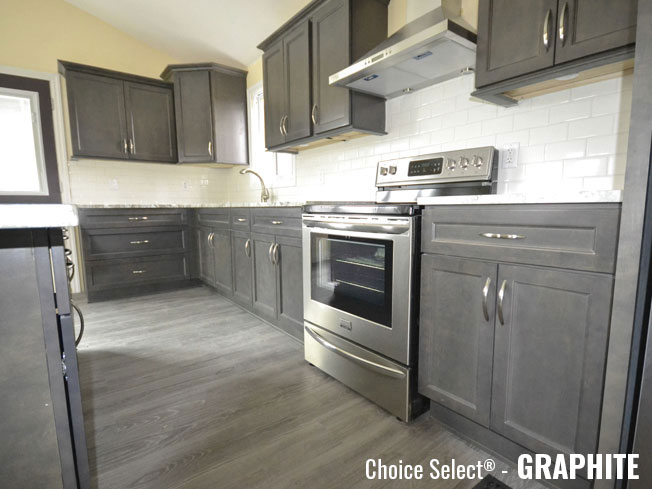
(264, 193)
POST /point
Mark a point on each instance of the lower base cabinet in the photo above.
(264, 287)
(221, 243)
(242, 268)
(290, 285)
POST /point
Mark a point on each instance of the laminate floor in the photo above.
(187, 390)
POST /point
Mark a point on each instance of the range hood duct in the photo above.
(430, 49)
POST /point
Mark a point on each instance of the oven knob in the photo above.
(464, 163)
(392, 170)
(383, 170)
(477, 161)
(450, 164)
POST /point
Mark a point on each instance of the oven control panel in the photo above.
(468, 165)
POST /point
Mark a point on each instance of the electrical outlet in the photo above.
(113, 183)
(509, 155)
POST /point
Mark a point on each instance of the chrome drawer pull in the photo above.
(241, 219)
(144, 241)
(143, 218)
(276, 223)
(485, 295)
(138, 272)
(501, 236)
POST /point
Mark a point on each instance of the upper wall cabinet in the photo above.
(301, 108)
(119, 116)
(211, 109)
(530, 44)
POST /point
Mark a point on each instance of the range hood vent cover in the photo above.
(428, 50)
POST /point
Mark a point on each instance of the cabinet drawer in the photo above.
(281, 222)
(573, 236)
(132, 242)
(241, 219)
(125, 272)
(217, 218)
(119, 218)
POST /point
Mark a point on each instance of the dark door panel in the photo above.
(274, 91)
(290, 285)
(264, 284)
(242, 268)
(296, 46)
(194, 117)
(221, 242)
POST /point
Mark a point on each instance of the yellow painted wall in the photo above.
(35, 33)
(255, 72)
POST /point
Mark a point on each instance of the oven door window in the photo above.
(353, 275)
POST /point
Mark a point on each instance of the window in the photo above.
(276, 168)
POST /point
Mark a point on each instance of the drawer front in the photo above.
(119, 218)
(217, 218)
(572, 236)
(282, 222)
(124, 272)
(241, 219)
(132, 242)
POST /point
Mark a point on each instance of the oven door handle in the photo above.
(358, 227)
(382, 369)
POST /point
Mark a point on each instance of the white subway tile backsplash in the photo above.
(569, 140)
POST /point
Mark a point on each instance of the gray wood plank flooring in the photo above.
(187, 390)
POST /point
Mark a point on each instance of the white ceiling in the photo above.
(221, 31)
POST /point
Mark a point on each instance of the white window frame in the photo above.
(277, 169)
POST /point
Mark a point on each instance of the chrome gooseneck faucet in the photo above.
(264, 193)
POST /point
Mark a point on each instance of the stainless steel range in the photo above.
(361, 275)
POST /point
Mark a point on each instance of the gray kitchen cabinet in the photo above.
(549, 357)
(594, 26)
(119, 116)
(206, 255)
(289, 260)
(264, 279)
(242, 268)
(221, 244)
(456, 334)
(300, 105)
(211, 108)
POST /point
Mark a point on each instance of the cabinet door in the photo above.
(229, 93)
(296, 47)
(150, 122)
(588, 27)
(222, 252)
(289, 260)
(242, 271)
(514, 38)
(192, 98)
(98, 124)
(206, 255)
(331, 45)
(455, 335)
(264, 286)
(550, 350)
(274, 90)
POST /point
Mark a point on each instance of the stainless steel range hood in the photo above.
(428, 50)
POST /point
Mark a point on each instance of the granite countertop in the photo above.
(598, 196)
(23, 216)
(191, 206)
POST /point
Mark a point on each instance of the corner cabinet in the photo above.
(211, 108)
(514, 321)
(301, 108)
(527, 43)
(119, 116)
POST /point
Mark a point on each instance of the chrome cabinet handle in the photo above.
(142, 218)
(314, 114)
(138, 272)
(281, 125)
(485, 295)
(241, 219)
(562, 24)
(391, 372)
(210, 239)
(270, 253)
(132, 149)
(275, 254)
(125, 149)
(248, 247)
(210, 148)
(502, 236)
(139, 242)
(285, 125)
(501, 298)
(277, 223)
(546, 30)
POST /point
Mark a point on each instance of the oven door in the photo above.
(358, 279)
